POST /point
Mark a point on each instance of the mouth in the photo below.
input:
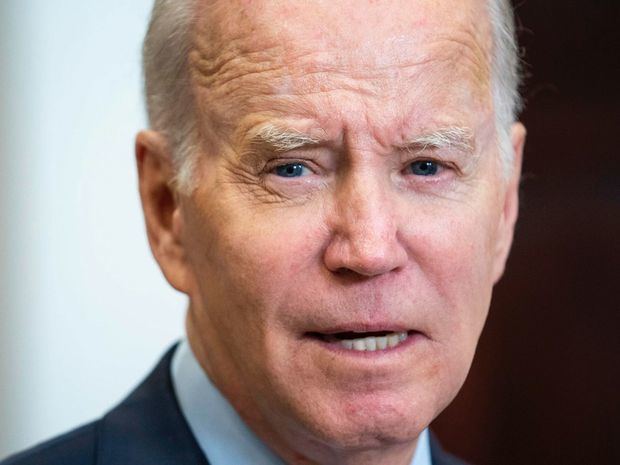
(365, 341)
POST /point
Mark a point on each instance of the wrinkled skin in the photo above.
(357, 240)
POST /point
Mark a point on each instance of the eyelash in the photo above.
(442, 165)
(273, 165)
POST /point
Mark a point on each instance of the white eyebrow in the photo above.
(460, 138)
(282, 140)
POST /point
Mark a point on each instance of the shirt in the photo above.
(220, 432)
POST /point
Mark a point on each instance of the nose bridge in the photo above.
(365, 233)
(364, 207)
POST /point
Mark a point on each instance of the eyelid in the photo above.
(449, 157)
(445, 171)
(442, 162)
(274, 163)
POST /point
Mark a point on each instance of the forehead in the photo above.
(344, 23)
(282, 57)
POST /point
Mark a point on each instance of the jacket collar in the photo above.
(148, 428)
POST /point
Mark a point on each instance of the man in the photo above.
(334, 186)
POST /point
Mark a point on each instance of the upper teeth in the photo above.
(372, 343)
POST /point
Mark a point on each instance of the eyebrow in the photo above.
(276, 139)
(460, 138)
(281, 140)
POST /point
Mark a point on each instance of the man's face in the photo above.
(349, 186)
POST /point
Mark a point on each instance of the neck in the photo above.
(294, 444)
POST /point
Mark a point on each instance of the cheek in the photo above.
(267, 258)
(452, 256)
(247, 270)
(253, 261)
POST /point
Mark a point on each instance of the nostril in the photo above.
(343, 271)
(360, 274)
(350, 276)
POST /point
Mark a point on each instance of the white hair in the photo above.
(172, 109)
(167, 83)
(505, 77)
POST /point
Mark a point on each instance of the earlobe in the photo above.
(510, 207)
(160, 204)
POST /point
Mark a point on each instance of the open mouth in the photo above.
(365, 342)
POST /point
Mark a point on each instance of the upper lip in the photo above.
(373, 327)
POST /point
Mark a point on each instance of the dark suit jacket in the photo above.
(147, 428)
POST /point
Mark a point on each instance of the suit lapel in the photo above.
(148, 427)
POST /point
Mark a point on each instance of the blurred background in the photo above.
(85, 313)
(84, 310)
(545, 384)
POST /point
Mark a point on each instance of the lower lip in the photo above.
(413, 338)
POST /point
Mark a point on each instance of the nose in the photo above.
(365, 229)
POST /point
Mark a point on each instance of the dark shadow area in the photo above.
(545, 382)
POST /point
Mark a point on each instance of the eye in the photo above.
(424, 168)
(291, 170)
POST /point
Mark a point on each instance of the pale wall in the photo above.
(84, 311)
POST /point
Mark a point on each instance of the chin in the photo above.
(370, 421)
(361, 403)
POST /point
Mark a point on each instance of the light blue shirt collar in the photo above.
(220, 432)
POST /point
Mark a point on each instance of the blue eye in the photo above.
(291, 170)
(424, 168)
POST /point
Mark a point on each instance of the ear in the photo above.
(160, 204)
(510, 209)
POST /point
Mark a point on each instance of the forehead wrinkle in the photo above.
(261, 57)
(251, 26)
(211, 69)
(309, 75)
(470, 54)
(245, 70)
